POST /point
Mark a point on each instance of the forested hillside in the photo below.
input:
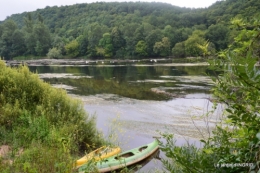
(122, 30)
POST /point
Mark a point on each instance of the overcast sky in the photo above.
(9, 7)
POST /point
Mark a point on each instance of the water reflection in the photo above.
(138, 82)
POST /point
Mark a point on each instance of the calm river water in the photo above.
(135, 102)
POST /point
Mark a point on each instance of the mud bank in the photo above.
(84, 62)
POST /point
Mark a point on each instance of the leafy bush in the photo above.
(32, 112)
(72, 48)
(234, 146)
(39, 158)
(186, 158)
(54, 53)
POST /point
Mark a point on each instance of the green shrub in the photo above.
(54, 53)
(39, 158)
(31, 111)
(235, 143)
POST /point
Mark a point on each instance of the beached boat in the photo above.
(125, 159)
(98, 154)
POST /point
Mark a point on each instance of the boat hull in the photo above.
(98, 154)
(127, 158)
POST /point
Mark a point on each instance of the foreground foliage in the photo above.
(235, 144)
(42, 125)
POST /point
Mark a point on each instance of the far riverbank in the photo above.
(84, 62)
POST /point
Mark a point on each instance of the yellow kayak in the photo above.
(98, 154)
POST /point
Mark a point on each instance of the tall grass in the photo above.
(43, 122)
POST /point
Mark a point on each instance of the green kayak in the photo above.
(125, 159)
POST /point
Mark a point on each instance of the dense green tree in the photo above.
(6, 41)
(137, 21)
(168, 31)
(191, 44)
(1, 30)
(141, 48)
(163, 48)
(118, 41)
(28, 22)
(72, 48)
(40, 18)
(94, 35)
(59, 43)
(153, 37)
(218, 34)
(30, 42)
(130, 46)
(129, 29)
(224, 11)
(106, 46)
(18, 43)
(37, 36)
(43, 39)
(147, 28)
(54, 53)
(83, 44)
(181, 34)
(139, 34)
(178, 50)
(133, 33)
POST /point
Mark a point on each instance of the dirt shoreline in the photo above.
(84, 62)
(79, 61)
(43, 62)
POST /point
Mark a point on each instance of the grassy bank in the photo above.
(42, 126)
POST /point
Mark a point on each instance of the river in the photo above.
(135, 102)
